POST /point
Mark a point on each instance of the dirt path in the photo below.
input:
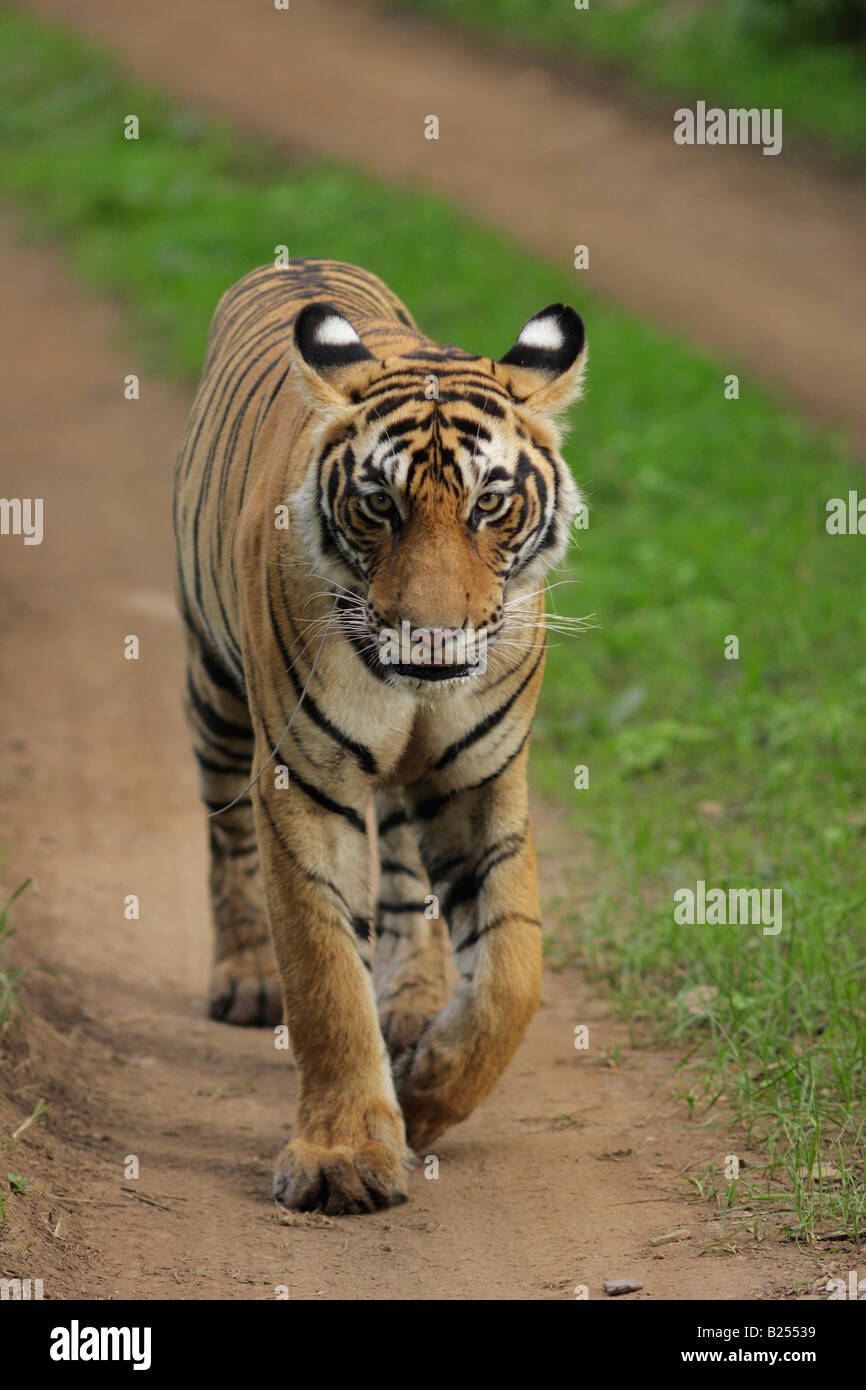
(563, 1177)
(753, 256)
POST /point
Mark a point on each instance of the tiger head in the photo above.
(436, 498)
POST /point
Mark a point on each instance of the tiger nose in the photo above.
(437, 643)
(430, 636)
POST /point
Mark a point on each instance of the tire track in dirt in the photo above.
(756, 257)
(99, 801)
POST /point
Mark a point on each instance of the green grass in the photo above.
(713, 50)
(9, 978)
(707, 519)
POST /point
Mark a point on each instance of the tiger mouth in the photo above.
(430, 667)
(423, 672)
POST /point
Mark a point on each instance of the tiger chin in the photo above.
(346, 484)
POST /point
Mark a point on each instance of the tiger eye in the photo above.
(488, 501)
(380, 502)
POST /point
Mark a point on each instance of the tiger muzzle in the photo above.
(433, 653)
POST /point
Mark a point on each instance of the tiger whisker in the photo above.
(524, 598)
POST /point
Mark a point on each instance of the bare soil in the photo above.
(562, 1178)
(760, 258)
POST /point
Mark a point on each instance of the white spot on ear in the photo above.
(335, 331)
(542, 333)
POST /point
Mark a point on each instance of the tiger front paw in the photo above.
(433, 1092)
(340, 1181)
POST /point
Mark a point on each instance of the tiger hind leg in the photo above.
(410, 934)
(244, 987)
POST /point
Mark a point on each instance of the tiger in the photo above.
(345, 483)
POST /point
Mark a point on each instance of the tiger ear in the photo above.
(330, 357)
(545, 367)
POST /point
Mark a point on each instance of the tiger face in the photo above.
(436, 497)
